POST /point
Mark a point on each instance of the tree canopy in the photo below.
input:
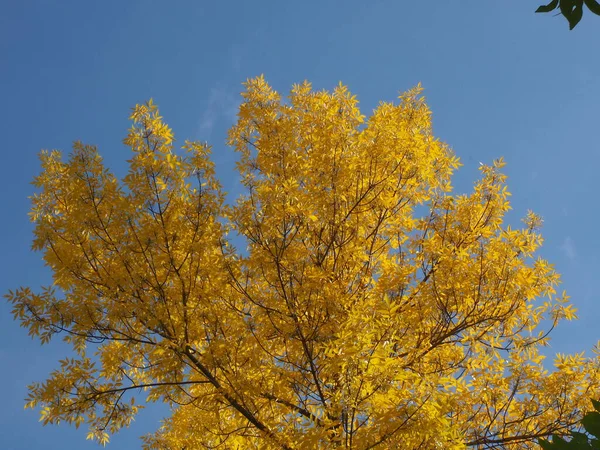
(349, 299)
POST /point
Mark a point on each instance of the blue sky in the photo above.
(501, 81)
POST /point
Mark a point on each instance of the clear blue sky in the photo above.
(501, 81)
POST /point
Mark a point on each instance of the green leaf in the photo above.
(576, 15)
(596, 403)
(557, 443)
(566, 8)
(594, 7)
(591, 423)
(547, 8)
(581, 439)
(572, 10)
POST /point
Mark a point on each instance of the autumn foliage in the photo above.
(365, 306)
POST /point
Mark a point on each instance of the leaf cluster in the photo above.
(590, 440)
(572, 10)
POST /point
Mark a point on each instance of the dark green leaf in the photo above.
(594, 7)
(596, 403)
(591, 423)
(579, 439)
(566, 8)
(543, 443)
(547, 8)
(575, 16)
(558, 443)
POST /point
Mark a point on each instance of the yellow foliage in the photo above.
(369, 307)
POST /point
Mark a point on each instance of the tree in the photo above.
(368, 306)
(572, 10)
